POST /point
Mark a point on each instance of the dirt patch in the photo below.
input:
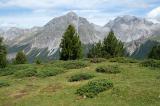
(51, 88)
(19, 94)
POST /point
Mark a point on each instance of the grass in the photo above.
(3, 84)
(134, 86)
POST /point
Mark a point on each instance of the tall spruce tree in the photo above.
(70, 47)
(112, 47)
(3, 54)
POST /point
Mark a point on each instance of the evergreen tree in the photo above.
(112, 47)
(155, 52)
(70, 47)
(20, 58)
(96, 50)
(3, 54)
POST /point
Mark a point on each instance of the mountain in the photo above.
(11, 33)
(133, 30)
(44, 41)
(129, 28)
(145, 47)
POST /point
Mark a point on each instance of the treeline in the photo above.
(71, 49)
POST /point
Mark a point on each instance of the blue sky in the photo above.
(29, 13)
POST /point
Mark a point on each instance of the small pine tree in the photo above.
(112, 47)
(70, 47)
(155, 52)
(20, 58)
(38, 61)
(3, 54)
(96, 51)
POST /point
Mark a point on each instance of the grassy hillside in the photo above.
(50, 84)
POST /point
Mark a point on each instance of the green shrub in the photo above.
(26, 73)
(97, 60)
(81, 76)
(108, 69)
(3, 84)
(20, 58)
(123, 60)
(150, 63)
(6, 71)
(49, 72)
(75, 64)
(38, 61)
(93, 88)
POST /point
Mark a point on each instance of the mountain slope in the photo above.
(131, 30)
(49, 37)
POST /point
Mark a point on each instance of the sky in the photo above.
(29, 13)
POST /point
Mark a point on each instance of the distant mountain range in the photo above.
(44, 41)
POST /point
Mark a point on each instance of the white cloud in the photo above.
(154, 13)
(96, 11)
(23, 21)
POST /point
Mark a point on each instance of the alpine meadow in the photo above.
(109, 58)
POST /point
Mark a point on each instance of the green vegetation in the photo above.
(93, 88)
(123, 60)
(109, 48)
(70, 45)
(38, 61)
(36, 85)
(3, 84)
(3, 54)
(81, 76)
(112, 69)
(95, 51)
(26, 73)
(75, 65)
(151, 63)
(98, 60)
(20, 58)
(47, 72)
(155, 52)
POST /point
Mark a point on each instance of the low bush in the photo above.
(38, 61)
(3, 84)
(47, 72)
(93, 88)
(26, 73)
(150, 63)
(81, 76)
(97, 60)
(108, 69)
(75, 64)
(123, 60)
(6, 71)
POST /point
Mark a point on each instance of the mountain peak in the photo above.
(71, 14)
